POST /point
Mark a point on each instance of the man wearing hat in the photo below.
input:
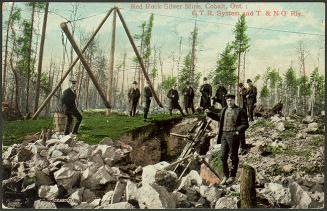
(174, 98)
(251, 98)
(233, 121)
(147, 93)
(133, 98)
(70, 109)
(188, 93)
(220, 96)
(206, 91)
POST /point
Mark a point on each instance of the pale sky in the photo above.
(273, 39)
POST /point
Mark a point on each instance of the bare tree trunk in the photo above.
(244, 65)
(161, 71)
(6, 53)
(122, 86)
(47, 108)
(193, 54)
(29, 62)
(141, 78)
(39, 69)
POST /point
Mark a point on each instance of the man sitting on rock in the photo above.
(233, 121)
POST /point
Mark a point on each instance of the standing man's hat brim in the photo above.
(205, 78)
(248, 81)
(134, 82)
(230, 96)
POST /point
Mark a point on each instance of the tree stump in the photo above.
(247, 187)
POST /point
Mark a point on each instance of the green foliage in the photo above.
(241, 43)
(257, 78)
(154, 72)
(318, 80)
(14, 131)
(225, 72)
(95, 126)
(185, 74)
(273, 76)
(305, 86)
(291, 81)
(264, 91)
(168, 82)
(216, 163)
(147, 39)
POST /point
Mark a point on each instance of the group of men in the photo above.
(233, 119)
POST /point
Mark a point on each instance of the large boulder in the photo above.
(43, 178)
(94, 177)
(181, 200)
(118, 192)
(23, 155)
(76, 197)
(131, 191)
(212, 193)
(67, 176)
(149, 172)
(226, 203)
(300, 198)
(48, 192)
(193, 178)
(312, 127)
(153, 196)
(168, 179)
(276, 193)
(106, 198)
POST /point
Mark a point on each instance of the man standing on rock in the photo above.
(188, 93)
(174, 98)
(220, 96)
(68, 102)
(233, 122)
(251, 98)
(147, 93)
(206, 91)
(133, 98)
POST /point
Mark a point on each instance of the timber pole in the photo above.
(138, 57)
(47, 99)
(111, 62)
(84, 62)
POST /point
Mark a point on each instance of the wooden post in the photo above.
(247, 187)
(138, 57)
(111, 62)
(84, 62)
(47, 99)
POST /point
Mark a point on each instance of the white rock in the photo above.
(149, 172)
(210, 193)
(280, 126)
(76, 197)
(277, 193)
(153, 196)
(300, 198)
(226, 203)
(193, 178)
(95, 203)
(312, 127)
(48, 192)
(131, 190)
(118, 192)
(106, 198)
(66, 139)
(40, 204)
(66, 177)
(120, 205)
(288, 168)
(93, 177)
(275, 118)
(8, 153)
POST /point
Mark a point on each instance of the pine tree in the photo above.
(185, 74)
(290, 83)
(226, 68)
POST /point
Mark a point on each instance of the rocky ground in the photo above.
(287, 154)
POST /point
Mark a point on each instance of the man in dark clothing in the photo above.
(133, 98)
(232, 122)
(174, 98)
(220, 96)
(206, 91)
(243, 92)
(251, 98)
(68, 102)
(147, 93)
(188, 93)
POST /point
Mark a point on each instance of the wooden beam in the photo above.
(84, 62)
(47, 99)
(138, 57)
(111, 62)
(247, 187)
